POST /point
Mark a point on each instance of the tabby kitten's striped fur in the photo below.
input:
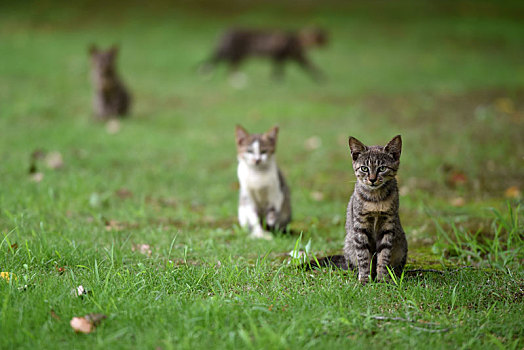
(375, 239)
(264, 202)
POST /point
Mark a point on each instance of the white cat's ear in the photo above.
(272, 134)
(241, 134)
(394, 147)
(356, 147)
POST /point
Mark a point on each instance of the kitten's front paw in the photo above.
(262, 235)
(383, 277)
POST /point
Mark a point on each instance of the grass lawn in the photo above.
(446, 75)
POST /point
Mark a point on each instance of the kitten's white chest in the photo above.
(263, 186)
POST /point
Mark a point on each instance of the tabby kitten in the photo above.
(375, 239)
(111, 98)
(264, 202)
(236, 45)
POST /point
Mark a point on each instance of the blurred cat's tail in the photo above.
(337, 261)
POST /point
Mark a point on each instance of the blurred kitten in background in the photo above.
(111, 98)
(236, 45)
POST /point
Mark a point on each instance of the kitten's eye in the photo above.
(250, 151)
(382, 169)
(364, 169)
(263, 152)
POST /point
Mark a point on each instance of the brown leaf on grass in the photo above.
(312, 143)
(86, 324)
(123, 193)
(36, 177)
(113, 126)
(13, 247)
(54, 160)
(317, 196)
(456, 178)
(505, 105)
(142, 249)
(162, 202)
(457, 202)
(114, 225)
(81, 325)
(60, 270)
(512, 192)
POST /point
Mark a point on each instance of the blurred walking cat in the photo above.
(111, 98)
(236, 45)
(375, 240)
(265, 201)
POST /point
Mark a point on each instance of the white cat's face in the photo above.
(254, 155)
(256, 150)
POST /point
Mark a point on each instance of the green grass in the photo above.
(446, 75)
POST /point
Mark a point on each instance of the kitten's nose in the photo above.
(373, 179)
(257, 161)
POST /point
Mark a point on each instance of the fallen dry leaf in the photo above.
(312, 143)
(113, 126)
(86, 324)
(36, 177)
(317, 196)
(457, 202)
(457, 178)
(14, 247)
(123, 193)
(512, 192)
(114, 225)
(142, 249)
(505, 105)
(81, 325)
(54, 160)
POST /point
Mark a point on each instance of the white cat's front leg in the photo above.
(272, 215)
(248, 219)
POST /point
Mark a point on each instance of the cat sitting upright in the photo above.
(111, 98)
(265, 202)
(375, 240)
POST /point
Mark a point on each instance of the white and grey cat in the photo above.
(265, 202)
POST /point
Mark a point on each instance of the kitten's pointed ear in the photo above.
(272, 134)
(241, 134)
(394, 147)
(356, 147)
(92, 49)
